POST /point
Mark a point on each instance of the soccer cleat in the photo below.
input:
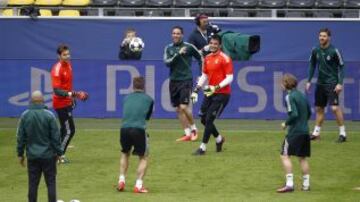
(314, 137)
(199, 152)
(305, 188)
(121, 186)
(341, 139)
(219, 145)
(184, 138)
(141, 190)
(194, 135)
(285, 189)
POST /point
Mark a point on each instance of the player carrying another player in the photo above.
(218, 71)
(63, 96)
(178, 56)
(297, 140)
(329, 83)
(137, 109)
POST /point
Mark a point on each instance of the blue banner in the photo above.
(100, 39)
(256, 92)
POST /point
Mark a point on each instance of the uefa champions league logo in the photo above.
(39, 80)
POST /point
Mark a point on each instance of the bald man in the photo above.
(39, 135)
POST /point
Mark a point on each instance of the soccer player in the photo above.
(39, 135)
(178, 57)
(218, 71)
(297, 140)
(63, 96)
(329, 83)
(137, 109)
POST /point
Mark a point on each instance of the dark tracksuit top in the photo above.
(38, 134)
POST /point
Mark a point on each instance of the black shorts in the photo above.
(297, 145)
(180, 92)
(325, 94)
(134, 137)
(214, 105)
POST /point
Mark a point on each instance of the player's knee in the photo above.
(178, 110)
(183, 107)
(334, 108)
(319, 110)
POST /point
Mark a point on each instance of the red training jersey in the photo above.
(216, 67)
(61, 76)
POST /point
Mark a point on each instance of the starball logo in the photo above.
(39, 80)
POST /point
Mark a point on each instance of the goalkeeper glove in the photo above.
(81, 95)
(194, 95)
(210, 90)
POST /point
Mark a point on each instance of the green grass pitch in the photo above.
(249, 169)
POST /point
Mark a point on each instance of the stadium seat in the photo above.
(323, 14)
(352, 4)
(238, 13)
(187, 3)
(295, 14)
(301, 3)
(329, 3)
(132, 3)
(48, 2)
(45, 12)
(92, 12)
(272, 3)
(350, 14)
(178, 13)
(69, 13)
(125, 12)
(104, 3)
(155, 13)
(76, 2)
(159, 3)
(7, 12)
(243, 3)
(215, 3)
(20, 2)
(263, 14)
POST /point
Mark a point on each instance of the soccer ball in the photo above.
(136, 44)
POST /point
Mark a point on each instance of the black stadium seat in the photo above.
(159, 3)
(104, 3)
(295, 14)
(131, 3)
(215, 3)
(330, 3)
(301, 3)
(243, 3)
(272, 3)
(352, 4)
(187, 3)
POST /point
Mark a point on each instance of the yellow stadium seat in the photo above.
(7, 12)
(76, 2)
(45, 12)
(47, 2)
(69, 13)
(20, 2)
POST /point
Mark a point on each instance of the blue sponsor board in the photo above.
(256, 92)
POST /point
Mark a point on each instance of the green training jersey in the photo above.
(180, 64)
(137, 109)
(330, 64)
(299, 112)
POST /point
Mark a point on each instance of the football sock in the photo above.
(218, 139)
(203, 146)
(187, 131)
(139, 184)
(317, 130)
(122, 178)
(290, 180)
(193, 127)
(306, 180)
(342, 130)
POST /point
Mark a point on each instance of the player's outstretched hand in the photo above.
(81, 95)
(194, 97)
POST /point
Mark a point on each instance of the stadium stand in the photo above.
(7, 12)
(187, 8)
(45, 12)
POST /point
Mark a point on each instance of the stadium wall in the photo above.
(28, 52)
